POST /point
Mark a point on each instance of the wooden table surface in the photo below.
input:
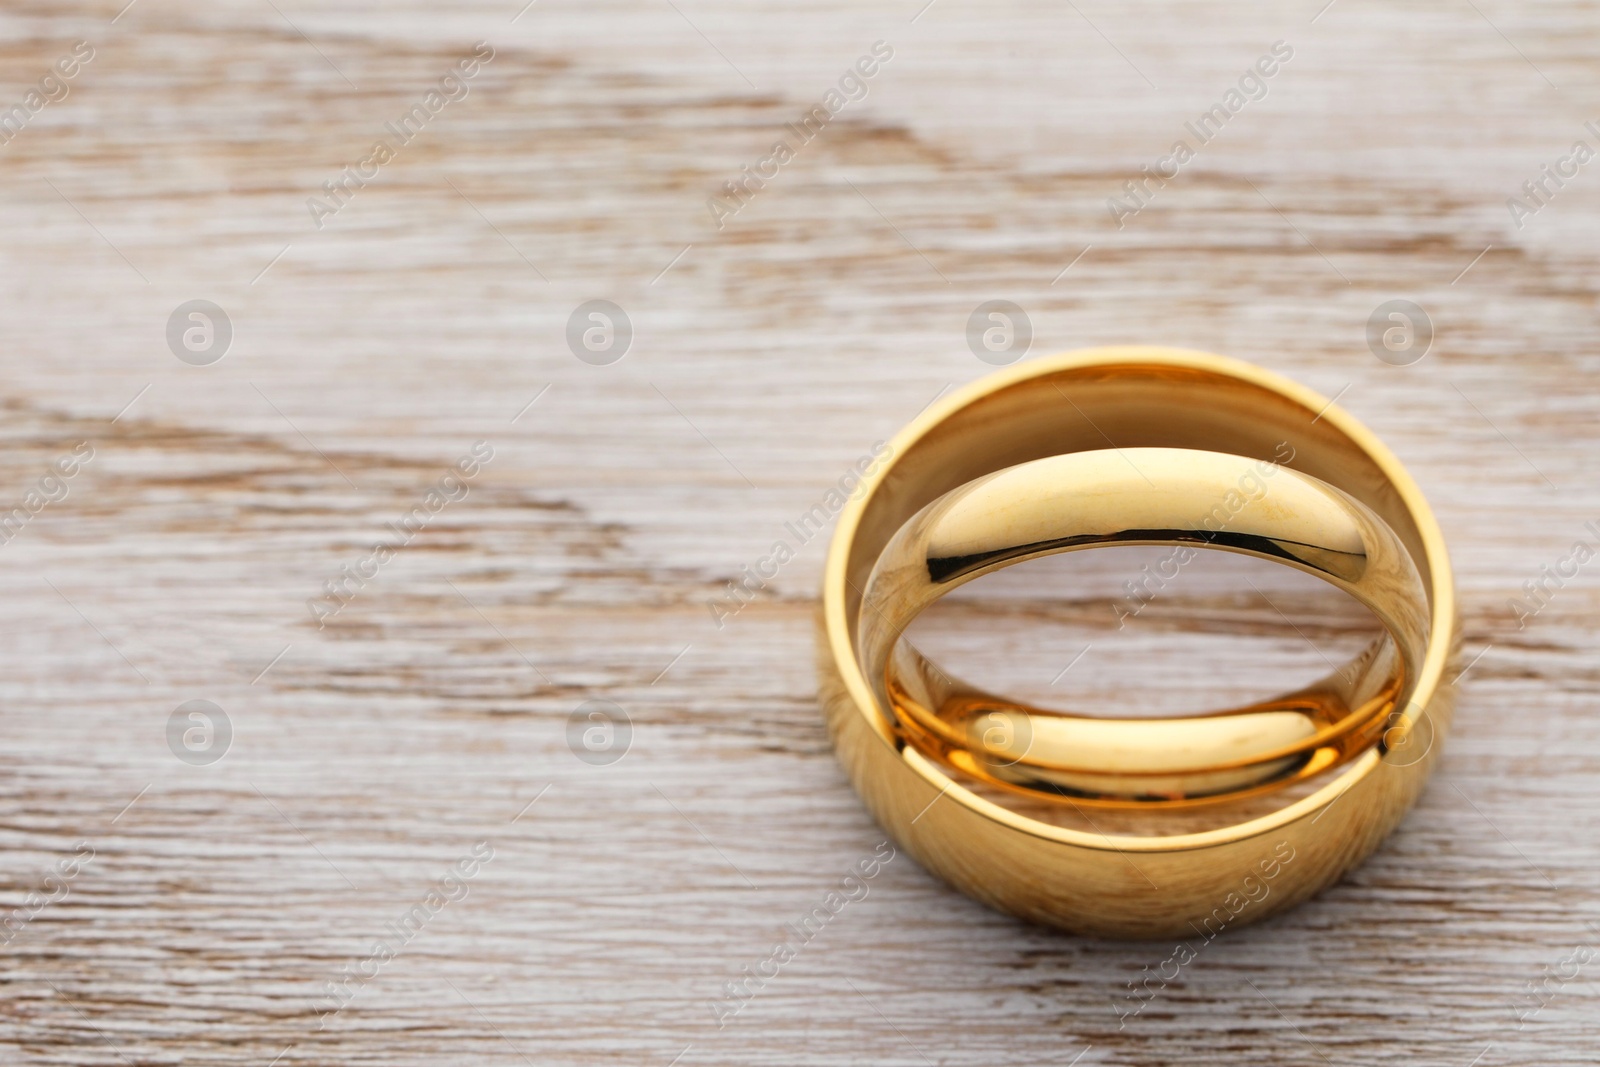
(299, 900)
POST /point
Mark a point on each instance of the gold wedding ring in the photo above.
(1128, 826)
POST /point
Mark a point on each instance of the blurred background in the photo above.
(391, 393)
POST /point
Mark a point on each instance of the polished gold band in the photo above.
(1157, 496)
(1134, 445)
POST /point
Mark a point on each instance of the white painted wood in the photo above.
(369, 355)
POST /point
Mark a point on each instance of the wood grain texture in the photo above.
(370, 354)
